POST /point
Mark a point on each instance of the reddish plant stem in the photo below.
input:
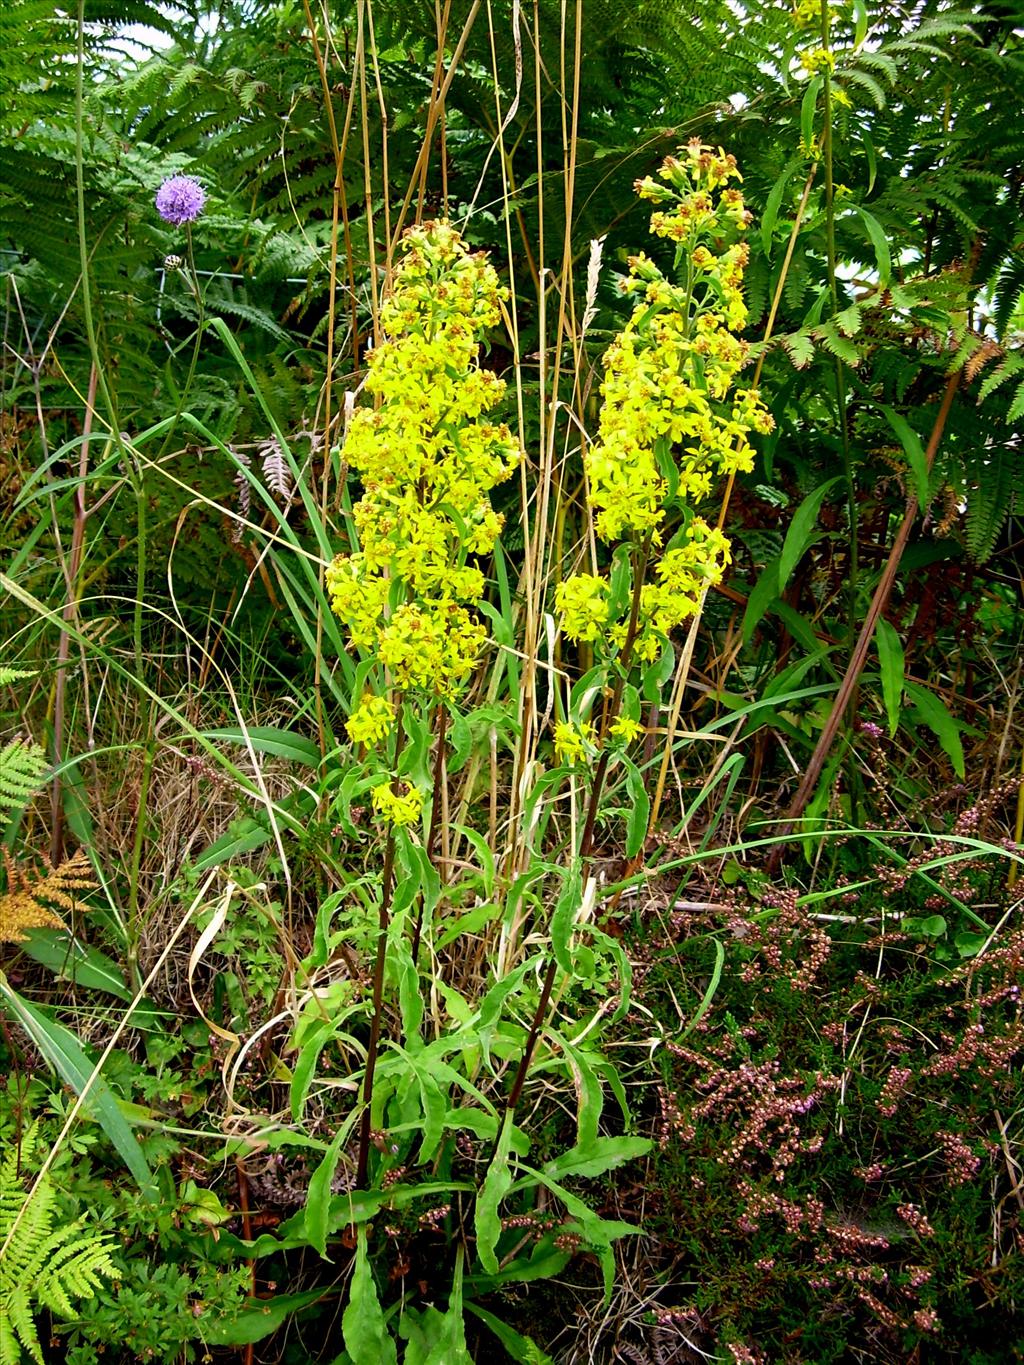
(860, 651)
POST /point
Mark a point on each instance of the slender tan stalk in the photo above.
(433, 113)
(336, 197)
(74, 587)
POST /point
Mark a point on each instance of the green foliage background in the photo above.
(887, 260)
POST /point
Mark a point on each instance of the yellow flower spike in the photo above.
(428, 457)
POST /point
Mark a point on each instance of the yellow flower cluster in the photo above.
(698, 560)
(626, 729)
(672, 420)
(399, 808)
(574, 741)
(372, 721)
(807, 13)
(583, 603)
(817, 59)
(428, 457)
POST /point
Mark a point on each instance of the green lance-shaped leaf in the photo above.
(639, 808)
(317, 1213)
(497, 1183)
(564, 916)
(62, 1050)
(913, 449)
(879, 241)
(363, 1327)
(892, 668)
(801, 532)
(936, 716)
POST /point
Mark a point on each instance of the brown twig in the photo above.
(248, 1355)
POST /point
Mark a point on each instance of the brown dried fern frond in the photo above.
(30, 900)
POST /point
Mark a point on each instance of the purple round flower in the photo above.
(180, 200)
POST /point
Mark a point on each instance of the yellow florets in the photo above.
(574, 742)
(669, 372)
(806, 13)
(372, 721)
(817, 59)
(673, 421)
(398, 808)
(626, 729)
(583, 603)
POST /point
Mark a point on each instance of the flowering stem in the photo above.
(435, 817)
(387, 879)
(383, 924)
(587, 841)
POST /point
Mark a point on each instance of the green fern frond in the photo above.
(1012, 365)
(995, 490)
(23, 765)
(44, 1265)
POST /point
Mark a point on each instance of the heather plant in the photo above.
(834, 1128)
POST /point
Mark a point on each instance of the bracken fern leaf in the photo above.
(22, 768)
(45, 1266)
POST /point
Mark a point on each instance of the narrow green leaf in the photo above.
(709, 993)
(892, 668)
(879, 241)
(860, 23)
(62, 1050)
(801, 532)
(450, 1348)
(497, 1183)
(639, 809)
(268, 739)
(808, 108)
(256, 1322)
(317, 1213)
(242, 836)
(774, 203)
(564, 915)
(523, 1350)
(913, 449)
(936, 716)
(71, 960)
(603, 1154)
